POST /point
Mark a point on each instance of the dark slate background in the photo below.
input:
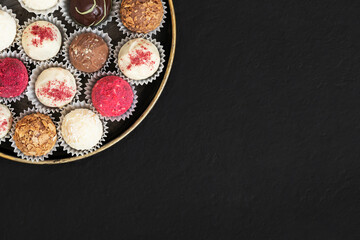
(255, 137)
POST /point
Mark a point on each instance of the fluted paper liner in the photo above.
(100, 33)
(88, 90)
(24, 60)
(62, 142)
(17, 151)
(52, 20)
(16, 38)
(128, 32)
(156, 74)
(41, 12)
(66, 14)
(31, 93)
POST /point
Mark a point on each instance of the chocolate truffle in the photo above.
(13, 77)
(139, 59)
(112, 96)
(41, 40)
(89, 12)
(35, 135)
(8, 30)
(141, 16)
(55, 87)
(40, 4)
(5, 120)
(88, 52)
(81, 129)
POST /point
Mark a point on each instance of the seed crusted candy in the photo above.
(35, 134)
(141, 16)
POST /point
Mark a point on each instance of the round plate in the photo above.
(148, 94)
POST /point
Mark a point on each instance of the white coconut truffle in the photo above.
(8, 30)
(5, 120)
(139, 59)
(40, 4)
(55, 87)
(41, 40)
(82, 129)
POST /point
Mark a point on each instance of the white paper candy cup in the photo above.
(66, 14)
(88, 90)
(17, 151)
(41, 12)
(149, 79)
(31, 94)
(16, 39)
(62, 142)
(128, 32)
(100, 33)
(3, 139)
(52, 20)
(24, 60)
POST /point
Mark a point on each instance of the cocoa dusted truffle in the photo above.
(141, 16)
(88, 52)
(90, 12)
(35, 135)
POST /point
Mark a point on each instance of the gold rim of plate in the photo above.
(138, 121)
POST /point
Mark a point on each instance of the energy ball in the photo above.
(41, 40)
(35, 135)
(55, 87)
(139, 59)
(88, 52)
(82, 129)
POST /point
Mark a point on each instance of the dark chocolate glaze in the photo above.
(89, 12)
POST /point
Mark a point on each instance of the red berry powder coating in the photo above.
(13, 77)
(57, 91)
(112, 96)
(140, 58)
(42, 33)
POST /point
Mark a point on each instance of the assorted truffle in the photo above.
(112, 96)
(35, 135)
(41, 40)
(5, 120)
(40, 4)
(88, 52)
(13, 77)
(141, 16)
(139, 59)
(89, 12)
(55, 87)
(82, 129)
(8, 30)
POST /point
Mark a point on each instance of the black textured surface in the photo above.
(255, 137)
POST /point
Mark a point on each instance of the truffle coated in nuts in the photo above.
(35, 135)
(141, 16)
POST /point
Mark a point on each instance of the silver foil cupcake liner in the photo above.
(66, 14)
(52, 20)
(41, 12)
(17, 151)
(149, 79)
(24, 60)
(88, 90)
(128, 32)
(100, 33)
(3, 139)
(16, 39)
(31, 94)
(67, 148)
